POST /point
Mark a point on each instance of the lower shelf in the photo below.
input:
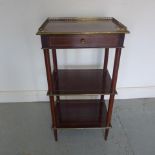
(81, 114)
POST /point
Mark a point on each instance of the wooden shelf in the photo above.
(80, 114)
(85, 81)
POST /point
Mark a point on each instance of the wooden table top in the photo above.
(73, 25)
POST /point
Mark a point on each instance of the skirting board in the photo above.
(40, 95)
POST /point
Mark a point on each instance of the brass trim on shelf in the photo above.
(121, 28)
(97, 128)
(51, 94)
(87, 47)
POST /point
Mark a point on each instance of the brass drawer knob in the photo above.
(83, 41)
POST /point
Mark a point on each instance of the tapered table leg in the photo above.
(50, 88)
(55, 64)
(52, 105)
(106, 56)
(109, 115)
(113, 88)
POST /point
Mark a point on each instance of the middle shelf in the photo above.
(81, 81)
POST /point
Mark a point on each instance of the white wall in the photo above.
(22, 72)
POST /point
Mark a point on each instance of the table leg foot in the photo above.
(55, 134)
(106, 134)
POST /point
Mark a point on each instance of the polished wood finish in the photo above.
(50, 85)
(113, 87)
(55, 70)
(80, 114)
(82, 41)
(55, 64)
(61, 33)
(106, 57)
(48, 69)
(81, 81)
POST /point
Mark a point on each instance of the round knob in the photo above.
(83, 41)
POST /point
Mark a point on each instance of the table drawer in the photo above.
(82, 41)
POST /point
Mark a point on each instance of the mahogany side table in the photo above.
(67, 33)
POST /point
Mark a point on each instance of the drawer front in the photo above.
(82, 41)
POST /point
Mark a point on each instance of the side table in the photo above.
(67, 33)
